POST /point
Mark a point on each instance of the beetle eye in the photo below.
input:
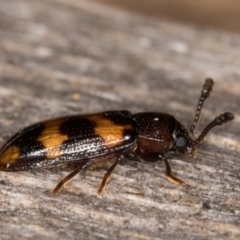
(181, 142)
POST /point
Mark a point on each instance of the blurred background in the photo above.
(63, 57)
(221, 14)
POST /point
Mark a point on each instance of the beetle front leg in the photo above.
(153, 157)
(169, 175)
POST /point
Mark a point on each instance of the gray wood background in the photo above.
(60, 57)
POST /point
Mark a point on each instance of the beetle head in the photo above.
(183, 140)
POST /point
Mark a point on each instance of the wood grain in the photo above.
(61, 57)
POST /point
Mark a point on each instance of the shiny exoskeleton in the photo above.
(88, 141)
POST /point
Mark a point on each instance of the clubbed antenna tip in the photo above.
(224, 118)
(221, 119)
(207, 88)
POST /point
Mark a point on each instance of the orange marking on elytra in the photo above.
(111, 133)
(10, 155)
(52, 139)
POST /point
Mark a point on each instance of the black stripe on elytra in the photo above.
(77, 127)
(27, 142)
(82, 141)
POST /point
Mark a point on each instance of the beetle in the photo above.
(88, 141)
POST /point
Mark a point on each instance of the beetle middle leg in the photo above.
(108, 175)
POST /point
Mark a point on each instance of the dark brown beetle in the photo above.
(88, 141)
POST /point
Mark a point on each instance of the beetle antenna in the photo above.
(207, 88)
(221, 119)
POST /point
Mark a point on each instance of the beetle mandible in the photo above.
(87, 141)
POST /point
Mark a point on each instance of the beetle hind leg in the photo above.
(69, 177)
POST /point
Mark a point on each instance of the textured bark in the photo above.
(61, 57)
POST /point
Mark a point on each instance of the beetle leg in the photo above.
(69, 177)
(108, 175)
(169, 175)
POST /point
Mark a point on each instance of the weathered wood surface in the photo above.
(62, 57)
